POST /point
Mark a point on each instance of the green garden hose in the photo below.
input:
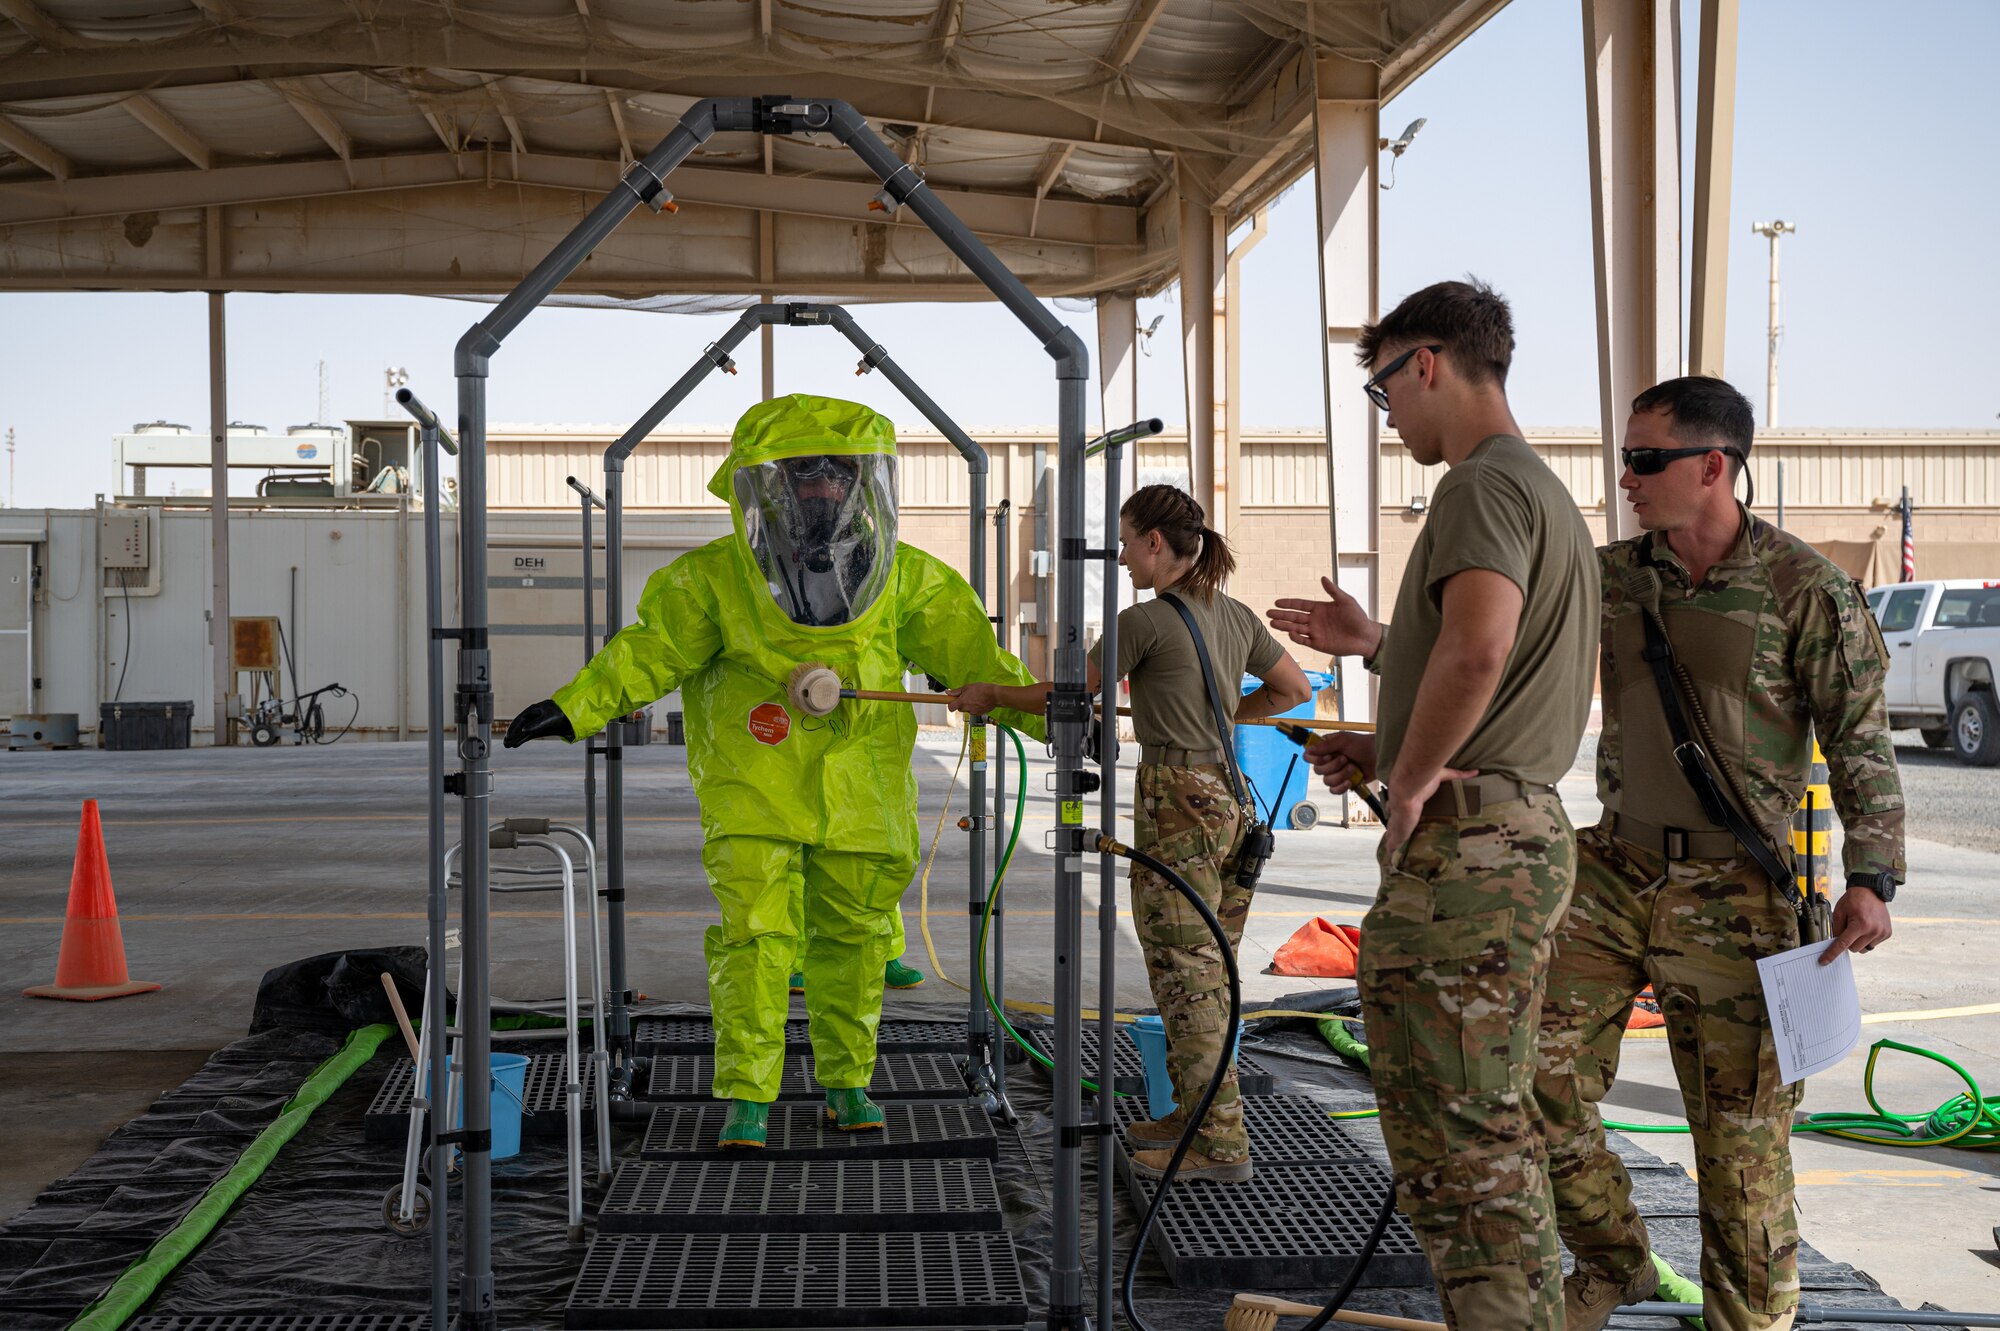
(1969, 1120)
(993, 900)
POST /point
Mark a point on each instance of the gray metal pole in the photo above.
(617, 1020)
(587, 497)
(1107, 885)
(1003, 577)
(1069, 714)
(436, 906)
(473, 710)
(1781, 492)
(218, 513)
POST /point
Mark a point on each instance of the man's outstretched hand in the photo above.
(1339, 627)
(542, 720)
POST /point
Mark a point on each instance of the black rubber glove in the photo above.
(541, 720)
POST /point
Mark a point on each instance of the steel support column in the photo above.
(1347, 129)
(1201, 297)
(1228, 517)
(1631, 54)
(1714, 155)
(767, 273)
(218, 509)
(1118, 392)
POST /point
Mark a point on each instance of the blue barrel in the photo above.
(1264, 755)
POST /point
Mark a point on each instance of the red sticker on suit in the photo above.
(770, 723)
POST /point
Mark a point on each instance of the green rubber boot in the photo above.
(745, 1128)
(898, 976)
(798, 982)
(850, 1110)
(1677, 1288)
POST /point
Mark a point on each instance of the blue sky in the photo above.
(1887, 165)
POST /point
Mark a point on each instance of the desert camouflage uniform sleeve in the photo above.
(1842, 664)
(1611, 564)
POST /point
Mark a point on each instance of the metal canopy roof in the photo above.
(420, 146)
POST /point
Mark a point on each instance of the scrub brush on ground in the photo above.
(1260, 1312)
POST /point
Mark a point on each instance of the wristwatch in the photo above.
(1882, 885)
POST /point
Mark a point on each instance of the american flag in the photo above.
(1909, 543)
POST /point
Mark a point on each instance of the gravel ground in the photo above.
(1948, 801)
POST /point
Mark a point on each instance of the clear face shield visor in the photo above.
(822, 529)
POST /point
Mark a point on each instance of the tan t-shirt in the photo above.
(1502, 509)
(1170, 706)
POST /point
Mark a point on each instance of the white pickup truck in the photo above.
(1944, 655)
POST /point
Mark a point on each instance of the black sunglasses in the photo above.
(1653, 461)
(1373, 388)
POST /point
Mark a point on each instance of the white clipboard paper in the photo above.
(1815, 1010)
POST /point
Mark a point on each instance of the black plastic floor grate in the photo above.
(898, 1076)
(1289, 1227)
(643, 1282)
(545, 1110)
(1284, 1130)
(285, 1321)
(1252, 1077)
(801, 1196)
(918, 1130)
(696, 1035)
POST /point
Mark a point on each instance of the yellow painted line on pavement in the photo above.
(257, 917)
(291, 818)
(248, 917)
(1931, 1014)
(1871, 1178)
(1869, 1019)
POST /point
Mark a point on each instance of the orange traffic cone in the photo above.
(92, 962)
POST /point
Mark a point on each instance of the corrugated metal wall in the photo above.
(1287, 469)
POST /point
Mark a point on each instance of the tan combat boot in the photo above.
(1158, 1131)
(1194, 1167)
(1589, 1300)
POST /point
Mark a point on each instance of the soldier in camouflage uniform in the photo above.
(1778, 645)
(1187, 815)
(1486, 680)
(1188, 818)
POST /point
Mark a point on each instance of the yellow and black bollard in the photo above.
(1812, 837)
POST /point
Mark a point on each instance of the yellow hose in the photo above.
(930, 862)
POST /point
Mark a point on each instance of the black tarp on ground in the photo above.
(310, 1235)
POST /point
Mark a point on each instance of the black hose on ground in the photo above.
(1106, 845)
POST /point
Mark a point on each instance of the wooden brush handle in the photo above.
(1303, 723)
(402, 1018)
(1286, 1308)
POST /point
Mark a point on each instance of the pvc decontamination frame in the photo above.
(1069, 702)
(984, 1068)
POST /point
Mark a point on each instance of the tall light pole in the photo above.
(1771, 231)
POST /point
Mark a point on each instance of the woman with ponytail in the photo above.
(1185, 811)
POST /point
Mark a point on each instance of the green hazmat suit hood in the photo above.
(811, 486)
(809, 823)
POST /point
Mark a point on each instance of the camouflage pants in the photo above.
(1187, 818)
(1693, 929)
(1452, 959)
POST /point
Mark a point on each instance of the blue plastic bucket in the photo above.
(1150, 1034)
(1274, 767)
(510, 1089)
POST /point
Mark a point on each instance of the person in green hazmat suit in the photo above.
(809, 823)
